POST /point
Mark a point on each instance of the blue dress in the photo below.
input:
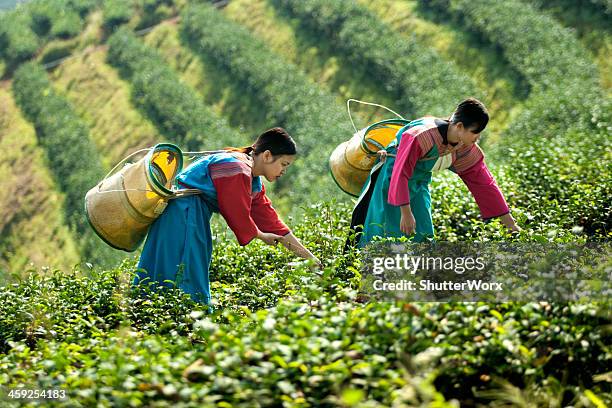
(178, 248)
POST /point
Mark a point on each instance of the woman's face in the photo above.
(275, 166)
(467, 136)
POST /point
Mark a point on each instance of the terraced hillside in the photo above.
(329, 57)
(83, 83)
(32, 224)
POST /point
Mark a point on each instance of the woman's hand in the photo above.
(294, 245)
(509, 222)
(269, 238)
(407, 221)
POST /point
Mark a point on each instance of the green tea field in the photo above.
(84, 83)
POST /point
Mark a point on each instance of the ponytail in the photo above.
(245, 149)
(276, 140)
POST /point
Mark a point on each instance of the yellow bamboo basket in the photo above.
(121, 207)
(350, 163)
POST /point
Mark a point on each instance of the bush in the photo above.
(311, 115)
(536, 45)
(116, 13)
(55, 19)
(549, 56)
(154, 11)
(311, 341)
(421, 80)
(18, 42)
(66, 141)
(173, 106)
(54, 52)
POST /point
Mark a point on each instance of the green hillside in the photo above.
(32, 223)
(103, 100)
(84, 83)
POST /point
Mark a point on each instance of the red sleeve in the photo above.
(486, 193)
(265, 215)
(234, 198)
(408, 152)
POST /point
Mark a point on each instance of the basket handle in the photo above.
(121, 162)
(348, 108)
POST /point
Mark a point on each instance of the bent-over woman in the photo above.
(179, 244)
(395, 200)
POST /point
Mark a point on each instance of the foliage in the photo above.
(116, 13)
(550, 57)
(153, 11)
(56, 18)
(400, 64)
(57, 51)
(310, 341)
(171, 105)
(291, 100)
(66, 141)
(545, 53)
(116, 126)
(31, 25)
(32, 224)
(18, 42)
(279, 333)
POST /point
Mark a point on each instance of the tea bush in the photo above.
(174, 107)
(535, 44)
(590, 8)
(116, 13)
(24, 30)
(313, 343)
(154, 11)
(279, 333)
(420, 79)
(310, 114)
(66, 141)
(18, 42)
(55, 19)
(565, 92)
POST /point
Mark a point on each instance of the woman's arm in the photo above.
(485, 191)
(407, 221)
(290, 242)
(408, 153)
(232, 181)
(267, 220)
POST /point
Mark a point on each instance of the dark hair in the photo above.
(276, 140)
(472, 113)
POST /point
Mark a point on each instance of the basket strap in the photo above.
(186, 192)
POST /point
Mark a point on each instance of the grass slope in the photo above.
(31, 218)
(213, 85)
(102, 99)
(504, 87)
(315, 59)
